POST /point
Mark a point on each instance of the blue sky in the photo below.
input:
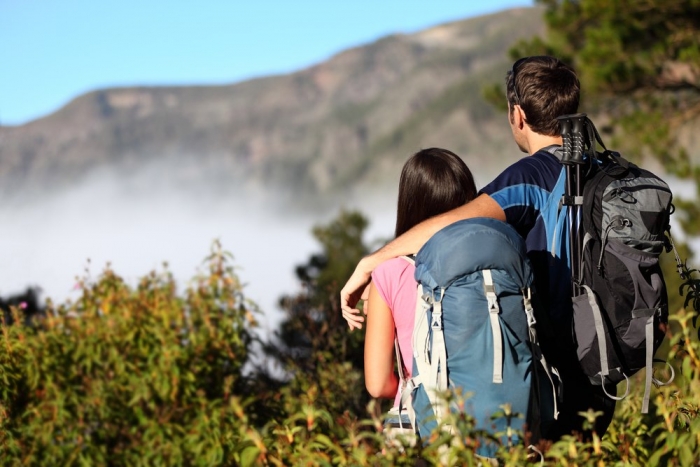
(52, 51)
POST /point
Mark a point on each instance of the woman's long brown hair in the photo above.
(433, 181)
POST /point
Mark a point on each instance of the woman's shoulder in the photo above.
(394, 271)
(395, 265)
(394, 279)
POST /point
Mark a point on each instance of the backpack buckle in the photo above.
(492, 300)
(527, 304)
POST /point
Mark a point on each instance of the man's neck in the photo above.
(537, 142)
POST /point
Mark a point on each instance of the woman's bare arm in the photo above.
(380, 379)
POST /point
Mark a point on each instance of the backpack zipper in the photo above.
(616, 192)
(617, 223)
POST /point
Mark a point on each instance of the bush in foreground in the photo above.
(147, 376)
(128, 375)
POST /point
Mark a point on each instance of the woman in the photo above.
(432, 181)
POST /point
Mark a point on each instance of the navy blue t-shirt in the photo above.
(529, 192)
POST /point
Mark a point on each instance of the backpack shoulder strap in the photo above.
(494, 311)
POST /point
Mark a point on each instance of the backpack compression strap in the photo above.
(421, 358)
(494, 310)
(602, 343)
(429, 355)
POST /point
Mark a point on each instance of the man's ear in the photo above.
(518, 117)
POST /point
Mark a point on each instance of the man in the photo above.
(527, 196)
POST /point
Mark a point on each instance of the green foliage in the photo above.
(626, 45)
(128, 375)
(314, 337)
(690, 288)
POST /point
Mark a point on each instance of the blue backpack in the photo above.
(474, 333)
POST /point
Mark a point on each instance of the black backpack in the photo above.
(621, 300)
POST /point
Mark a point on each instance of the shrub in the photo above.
(128, 375)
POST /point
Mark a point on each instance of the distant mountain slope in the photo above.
(350, 121)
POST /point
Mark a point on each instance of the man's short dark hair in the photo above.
(545, 88)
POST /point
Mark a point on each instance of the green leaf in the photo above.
(249, 456)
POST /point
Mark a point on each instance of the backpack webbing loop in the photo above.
(670, 378)
(617, 398)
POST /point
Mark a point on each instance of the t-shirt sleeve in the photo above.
(387, 279)
(519, 191)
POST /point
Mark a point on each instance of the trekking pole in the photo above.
(572, 128)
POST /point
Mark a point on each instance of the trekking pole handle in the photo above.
(572, 129)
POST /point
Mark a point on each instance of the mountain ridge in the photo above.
(322, 131)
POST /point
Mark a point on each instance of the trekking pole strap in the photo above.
(594, 136)
(494, 310)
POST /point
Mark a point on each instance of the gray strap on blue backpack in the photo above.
(494, 310)
(438, 364)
